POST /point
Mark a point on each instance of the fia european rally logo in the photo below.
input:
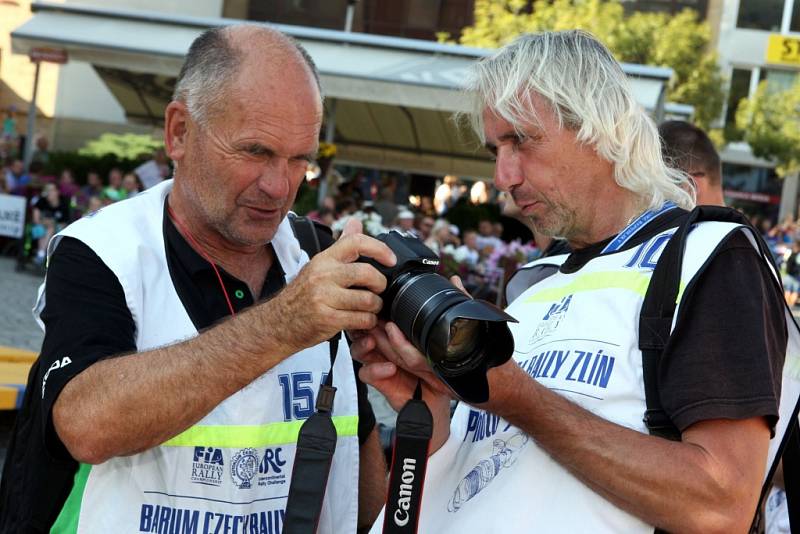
(207, 466)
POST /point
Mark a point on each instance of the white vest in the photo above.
(231, 471)
(577, 335)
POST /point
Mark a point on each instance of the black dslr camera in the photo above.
(461, 337)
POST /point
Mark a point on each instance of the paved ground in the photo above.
(17, 327)
(18, 290)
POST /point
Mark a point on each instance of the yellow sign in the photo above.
(783, 50)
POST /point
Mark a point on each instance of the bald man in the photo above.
(186, 332)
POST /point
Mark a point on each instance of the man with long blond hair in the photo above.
(561, 445)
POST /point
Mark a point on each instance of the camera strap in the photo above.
(409, 463)
(316, 444)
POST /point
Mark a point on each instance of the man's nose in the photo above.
(274, 179)
(507, 170)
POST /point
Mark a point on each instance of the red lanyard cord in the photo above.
(199, 249)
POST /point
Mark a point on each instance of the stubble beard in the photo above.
(558, 222)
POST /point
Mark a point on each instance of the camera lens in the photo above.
(441, 322)
(464, 337)
(461, 337)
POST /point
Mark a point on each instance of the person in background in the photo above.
(686, 147)
(41, 153)
(441, 236)
(51, 212)
(385, 206)
(66, 184)
(404, 222)
(92, 188)
(114, 192)
(94, 204)
(487, 240)
(9, 134)
(94, 185)
(424, 226)
(468, 251)
(131, 185)
(15, 178)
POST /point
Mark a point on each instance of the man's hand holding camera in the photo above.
(332, 293)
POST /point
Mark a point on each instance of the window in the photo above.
(760, 14)
(423, 14)
(794, 25)
(752, 179)
(740, 88)
(779, 80)
(668, 6)
(318, 13)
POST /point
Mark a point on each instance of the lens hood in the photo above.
(470, 382)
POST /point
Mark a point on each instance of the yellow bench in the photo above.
(14, 367)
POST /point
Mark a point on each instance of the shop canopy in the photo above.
(391, 99)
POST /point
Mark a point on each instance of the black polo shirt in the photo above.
(87, 319)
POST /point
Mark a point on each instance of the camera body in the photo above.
(451, 329)
(413, 259)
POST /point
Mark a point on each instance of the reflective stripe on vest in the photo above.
(631, 281)
(241, 436)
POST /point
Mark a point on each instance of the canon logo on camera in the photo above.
(404, 502)
(426, 261)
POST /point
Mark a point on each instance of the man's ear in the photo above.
(176, 122)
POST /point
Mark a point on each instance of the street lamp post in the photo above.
(38, 55)
(28, 152)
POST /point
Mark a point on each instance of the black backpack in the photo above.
(655, 322)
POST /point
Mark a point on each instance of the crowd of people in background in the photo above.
(54, 201)
(476, 251)
(479, 252)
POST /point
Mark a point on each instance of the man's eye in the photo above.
(256, 150)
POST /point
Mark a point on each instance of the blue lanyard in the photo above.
(625, 235)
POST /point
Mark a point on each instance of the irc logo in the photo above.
(271, 470)
(272, 462)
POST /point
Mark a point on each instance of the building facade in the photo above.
(746, 32)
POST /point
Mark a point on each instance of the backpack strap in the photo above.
(316, 441)
(791, 475)
(658, 310)
(655, 325)
(314, 237)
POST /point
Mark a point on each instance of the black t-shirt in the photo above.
(86, 320)
(59, 213)
(724, 359)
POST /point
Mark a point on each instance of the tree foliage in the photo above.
(770, 121)
(677, 41)
(122, 146)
